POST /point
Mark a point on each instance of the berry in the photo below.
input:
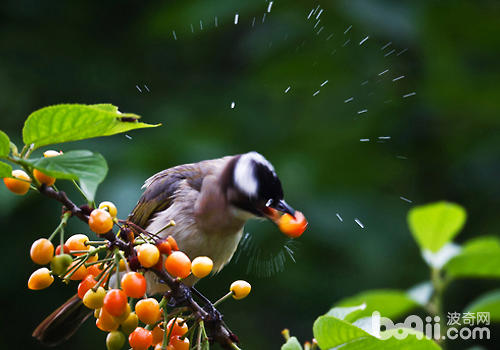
(148, 255)
(176, 343)
(94, 257)
(42, 251)
(202, 266)
(110, 207)
(106, 322)
(157, 333)
(140, 339)
(94, 300)
(240, 289)
(87, 283)
(180, 327)
(148, 310)
(60, 263)
(40, 279)
(173, 243)
(293, 226)
(115, 302)
(178, 264)
(77, 242)
(130, 323)
(120, 319)
(164, 247)
(134, 285)
(18, 186)
(100, 221)
(115, 340)
(80, 273)
(65, 249)
(51, 153)
(94, 270)
(43, 178)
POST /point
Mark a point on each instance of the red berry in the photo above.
(140, 339)
(87, 283)
(134, 285)
(115, 302)
(178, 264)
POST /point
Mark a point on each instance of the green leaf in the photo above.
(489, 302)
(343, 312)
(5, 170)
(292, 344)
(433, 225)
(330, 332)
(390, 303)
(479, 258)
(87, 167)
(72, 122)
(4, 144)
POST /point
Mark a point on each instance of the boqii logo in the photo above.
(469, 325)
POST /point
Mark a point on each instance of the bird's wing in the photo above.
(161, 189)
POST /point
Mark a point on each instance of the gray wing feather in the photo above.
(161, 189)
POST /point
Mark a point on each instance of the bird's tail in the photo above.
(60, 325)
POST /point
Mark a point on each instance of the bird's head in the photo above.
(254, 188)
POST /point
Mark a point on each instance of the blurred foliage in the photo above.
(444, 140)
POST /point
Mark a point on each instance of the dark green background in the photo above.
(444, 140)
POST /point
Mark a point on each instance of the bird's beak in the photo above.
(273, 209)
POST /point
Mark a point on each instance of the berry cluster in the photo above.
(113, 283)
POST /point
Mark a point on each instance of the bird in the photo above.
(210, 202)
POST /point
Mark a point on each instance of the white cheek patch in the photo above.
(244, 177)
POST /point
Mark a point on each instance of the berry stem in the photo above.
(228, 295)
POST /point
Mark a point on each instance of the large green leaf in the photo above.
(489, 302)
(291, 344)
(479, 258)
(433, 225)
(4, 144)
(390, 303)
(331, 332)
(72, 122)
(5, 170)
(87, 167)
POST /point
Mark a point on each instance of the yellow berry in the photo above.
(40, 279)
(202, 266)
(110, 207)
(19, 183)
(148, 255)
(42, 251)
(240, 289)
(94, 300)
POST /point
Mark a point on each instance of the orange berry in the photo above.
(40, 279)
(100, 221)
(106, 322)
(180, 327)
(202, 266)
(240, 289)
(134, 284)
(87, 283)
(164, 247)
(148, 255)
(140, 339)
(293, 226)
(176, 343)
(44, 178)
(94, 300)
(80, 273)
(115, 302)
(178, 264)
(110, 207)
(123, 317)
(18, 186)
(94, 270)
(42, 251)
(173, 243)
(77, 242)
(148, 310)
(157, 333)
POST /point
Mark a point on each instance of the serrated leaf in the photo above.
(489, 302)
(5, 170)
(433, 225)
(73, 122)
(4, 144)
(292, 344)
(87, 167)
(390, 303)
(480, 258)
